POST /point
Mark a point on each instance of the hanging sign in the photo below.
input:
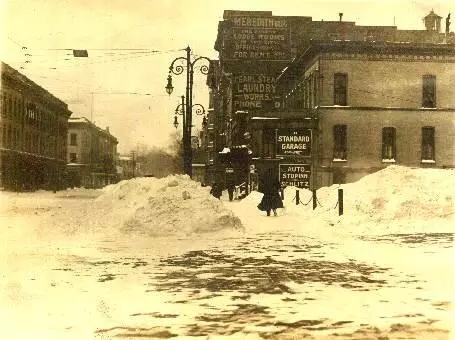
(291, 141)
(297, 175)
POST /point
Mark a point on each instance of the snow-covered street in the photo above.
(161, 258)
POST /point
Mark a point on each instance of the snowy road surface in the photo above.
(271, 281)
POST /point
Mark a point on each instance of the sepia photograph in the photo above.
(242, 169)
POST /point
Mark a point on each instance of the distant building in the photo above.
(33, 129)
(335, 99)
(91, 155)
(126, 167)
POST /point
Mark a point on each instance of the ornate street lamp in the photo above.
(169, 88)
(195, 108)
(187, 108)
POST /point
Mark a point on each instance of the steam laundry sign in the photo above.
(297, 175)
(293, 142)
(252, 90)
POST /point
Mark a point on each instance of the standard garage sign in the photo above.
(297, 175)
(293, 142)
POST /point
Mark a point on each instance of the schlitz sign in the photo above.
(297, 175)
(293, 142)
(259, 38)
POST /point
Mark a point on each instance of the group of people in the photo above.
(270, 187)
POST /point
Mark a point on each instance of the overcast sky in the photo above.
(120, 77)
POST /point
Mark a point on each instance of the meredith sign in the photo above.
(293, 142)
(297, 175)
(259, 38)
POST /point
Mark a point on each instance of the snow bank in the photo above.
(157, 207)
(395, 199)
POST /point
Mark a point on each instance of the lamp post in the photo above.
(186, 107)
(181, 110)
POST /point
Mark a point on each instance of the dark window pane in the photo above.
(428, 143)
(340, 142)
(388, 143)
(73, 140)
(429, 91)
(340, 84)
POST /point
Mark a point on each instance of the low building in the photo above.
(91, 154)
(33, 130)
(126, 166)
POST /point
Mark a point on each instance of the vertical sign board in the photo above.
(297, 175)
(293, 142)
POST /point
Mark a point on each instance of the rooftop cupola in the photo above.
(433, 22)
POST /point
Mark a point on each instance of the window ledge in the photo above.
(428, 161)
(339, 160)
(389, 161)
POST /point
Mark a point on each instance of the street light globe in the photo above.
(169, 87)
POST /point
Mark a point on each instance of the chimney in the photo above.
(107, 129)
(341, 16)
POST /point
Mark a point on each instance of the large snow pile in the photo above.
(167, 206)
(401, 193)
(396, 196)
(171, 206)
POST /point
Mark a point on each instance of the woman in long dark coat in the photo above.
(271, 190)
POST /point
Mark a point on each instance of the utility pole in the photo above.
(133, 154)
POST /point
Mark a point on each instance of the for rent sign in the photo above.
(297, 175)
(293, 142)
(259, 38)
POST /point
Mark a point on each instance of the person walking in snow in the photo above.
(271, 200)
(216, 191)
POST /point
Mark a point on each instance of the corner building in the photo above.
(375, 104)
(363, 96)
(33, 129)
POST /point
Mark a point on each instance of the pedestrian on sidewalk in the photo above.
(216, 190)
(271, 200)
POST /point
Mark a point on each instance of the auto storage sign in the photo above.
(297, 175)
(291, 141)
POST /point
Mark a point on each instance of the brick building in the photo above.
(369, 92)
(374, 104)
(91, 156)
(33, 128)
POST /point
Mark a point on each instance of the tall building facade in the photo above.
(91, 156)
(33, 128)
(300, 96)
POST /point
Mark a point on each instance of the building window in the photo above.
(388, 144)
(73, 158)
(428, 144)
(340, 89)
(73, 139)
(268, 143)
(340, 142)
(429, 91)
